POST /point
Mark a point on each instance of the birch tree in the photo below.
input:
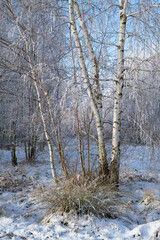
(94, 96)
(115, 157)
(123, 17)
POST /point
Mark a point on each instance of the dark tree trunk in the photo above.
(13, 152)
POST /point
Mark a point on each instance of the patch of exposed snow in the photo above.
(21, 218)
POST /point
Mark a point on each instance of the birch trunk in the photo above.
(57, 133)
(54, 175)
(115, 156)
(95, 68)
(103, 166)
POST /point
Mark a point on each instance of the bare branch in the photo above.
(142, 11)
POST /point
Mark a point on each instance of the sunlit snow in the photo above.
(21, 217)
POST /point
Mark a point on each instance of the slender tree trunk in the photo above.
(115, 156)
(103, 166)
(76, 110)
(61, 150)
(95, 68)
(25, 148)
(79, 141)
(54, 175)
(33, 145)
(57, 133)
(14, 140)
(88, 150)
(29, 124)
(88, 142)
(14, 134)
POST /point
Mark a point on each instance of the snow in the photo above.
(21, 216)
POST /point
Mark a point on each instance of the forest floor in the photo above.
(21, 217)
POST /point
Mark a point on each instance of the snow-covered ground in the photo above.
(21, 217)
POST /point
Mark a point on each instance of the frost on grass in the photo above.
(82, 196)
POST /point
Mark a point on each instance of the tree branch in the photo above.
(142, 11)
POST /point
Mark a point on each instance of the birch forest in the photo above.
(79, 80)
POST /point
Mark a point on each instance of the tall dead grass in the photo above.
(81, 196)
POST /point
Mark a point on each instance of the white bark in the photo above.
(115, 156)
(58, 138)
(54, 176)
(103, 167)
(97, 91)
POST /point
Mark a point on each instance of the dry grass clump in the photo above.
(9, 181)
(81, 196)
(2, 212)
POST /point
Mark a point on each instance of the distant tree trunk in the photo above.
(79, 141)
(25, 149)
(13, 151)
(33, 146)
(13, 154)
(115, 156)
(13, 132)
